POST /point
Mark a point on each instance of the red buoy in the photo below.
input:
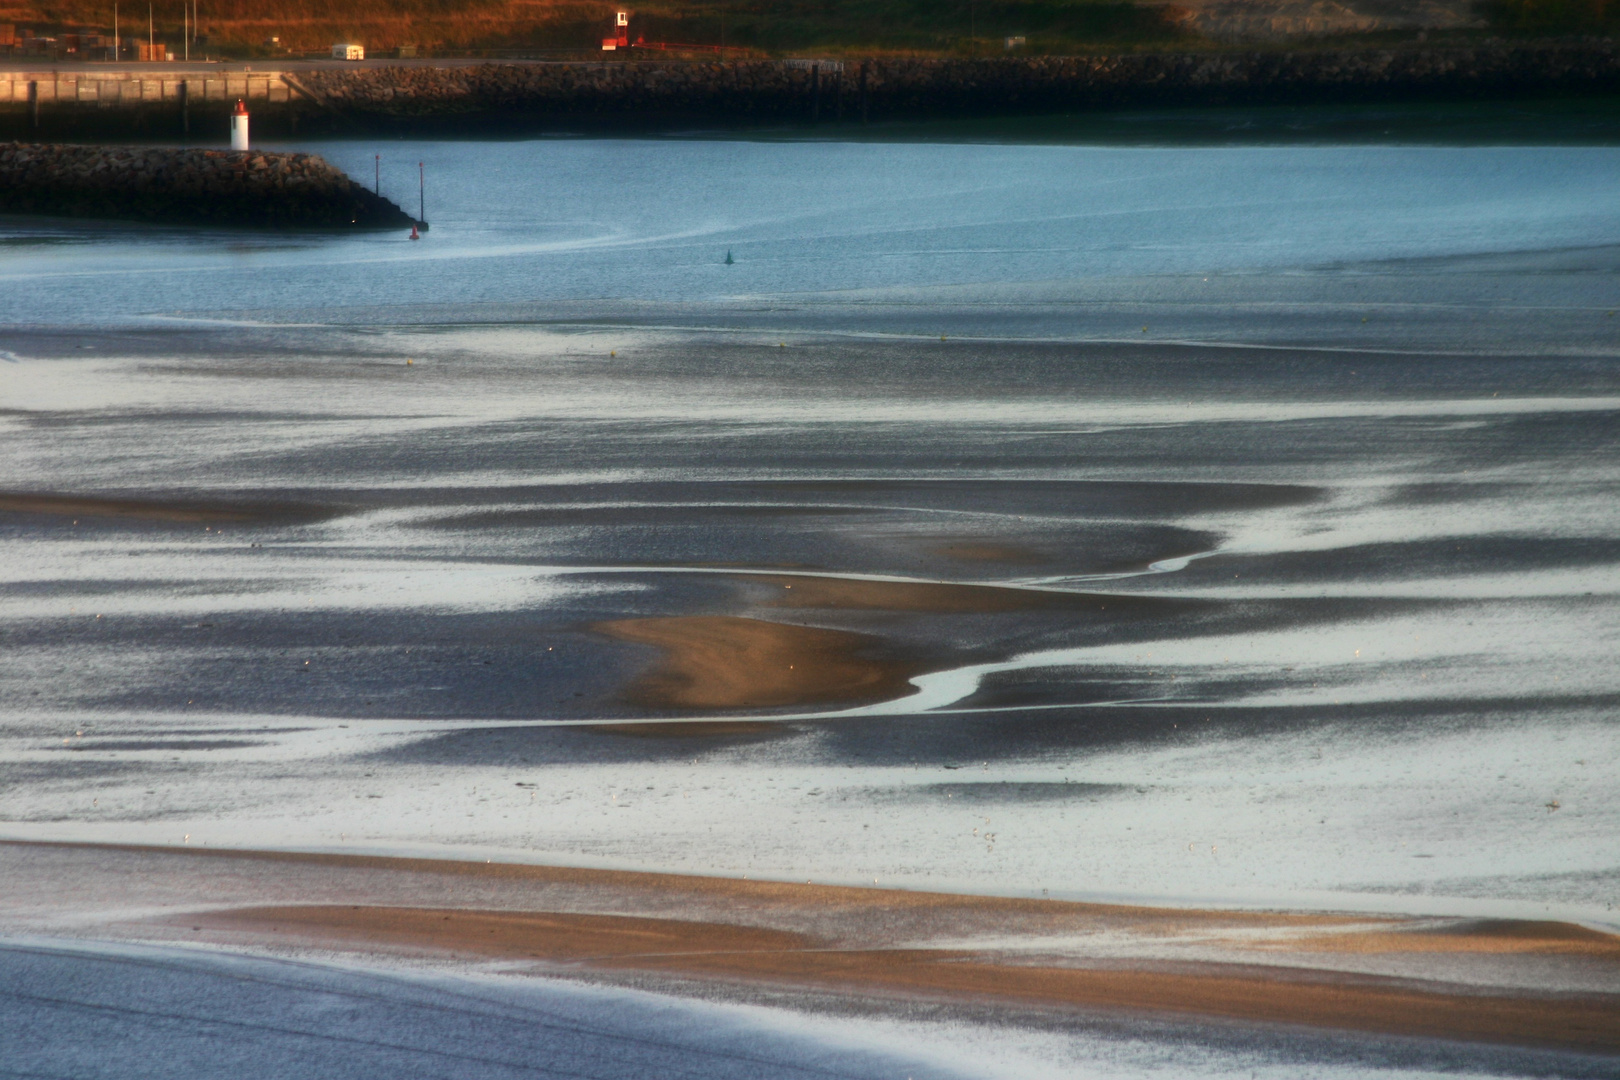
(414, 234)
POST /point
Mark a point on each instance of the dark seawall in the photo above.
(522, 95)
(202, 187)
(451, 98)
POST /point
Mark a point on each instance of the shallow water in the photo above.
(1315, 447)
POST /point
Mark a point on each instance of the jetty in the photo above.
(189, 186)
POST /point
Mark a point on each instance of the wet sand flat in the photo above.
(1167, 548)
(182, 512)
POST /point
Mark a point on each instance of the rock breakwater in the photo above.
(517, 95)
(190, 186)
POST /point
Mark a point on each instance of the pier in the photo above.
(189, 186)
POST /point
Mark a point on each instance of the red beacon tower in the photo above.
(239, 126)
(621, 30)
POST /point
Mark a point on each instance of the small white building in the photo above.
(348, 52)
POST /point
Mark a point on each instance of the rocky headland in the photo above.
(188, 186)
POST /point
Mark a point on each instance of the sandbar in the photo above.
(751, 954)
(744, 938)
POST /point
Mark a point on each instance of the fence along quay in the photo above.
(150, 99)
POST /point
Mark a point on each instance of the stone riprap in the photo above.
(209, 187)
(407, 96)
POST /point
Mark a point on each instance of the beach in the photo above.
(1037, 584)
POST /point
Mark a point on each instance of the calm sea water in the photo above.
(654, 220)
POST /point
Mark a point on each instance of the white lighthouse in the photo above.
(239, 127)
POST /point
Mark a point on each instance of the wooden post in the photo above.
(185, 108)
(863, 91)
(33, 104)
(838, 94)
(815, 93)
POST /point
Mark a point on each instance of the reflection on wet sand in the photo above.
(174, 511)
(805, 591)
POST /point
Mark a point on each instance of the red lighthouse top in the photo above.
(241, 109)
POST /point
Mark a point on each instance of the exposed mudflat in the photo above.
(1016, 524)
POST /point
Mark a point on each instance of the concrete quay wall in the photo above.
(745, 92)
(516, 96)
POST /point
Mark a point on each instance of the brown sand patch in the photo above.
(172, 512)
(1503, 936)
(713, 950)
(796, 591)
(725, 662)
(728, 892)
(562, 937)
